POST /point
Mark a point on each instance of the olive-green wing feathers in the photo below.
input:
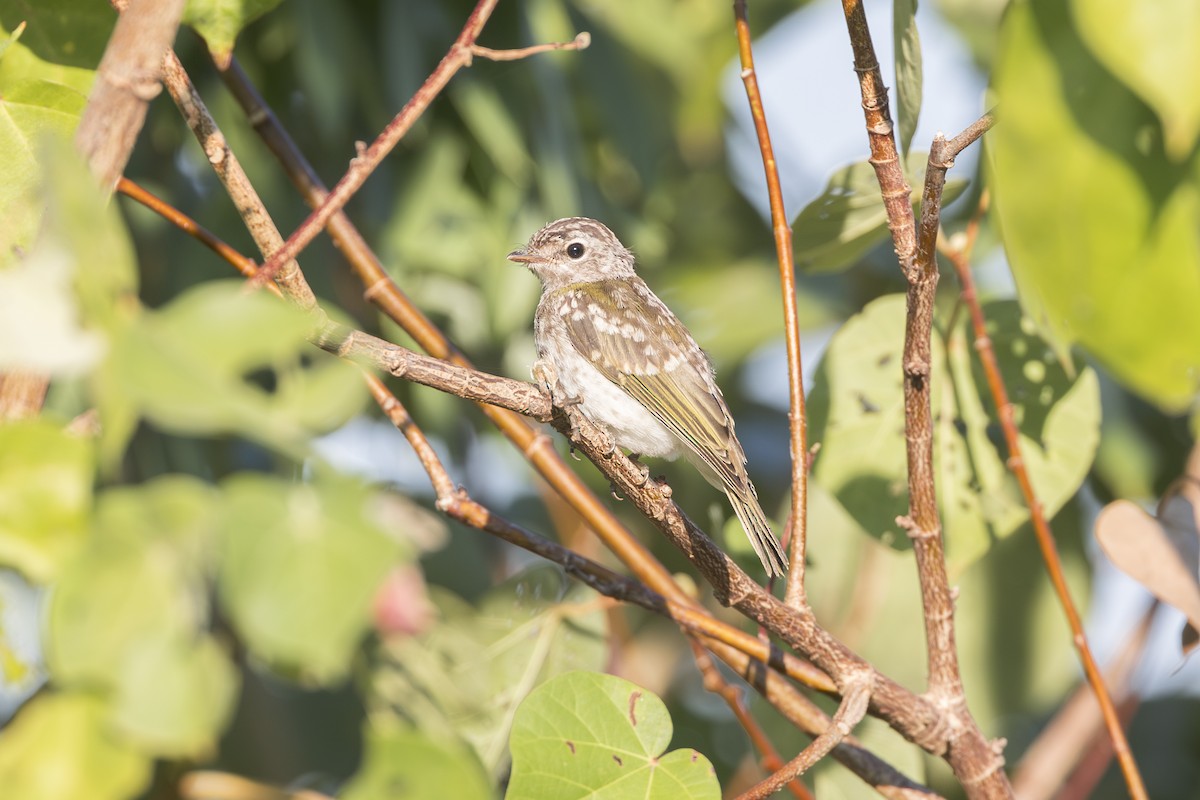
(635, 342)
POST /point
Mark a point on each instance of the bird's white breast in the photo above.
(606, 404)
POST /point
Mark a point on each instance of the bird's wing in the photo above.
(635, 341)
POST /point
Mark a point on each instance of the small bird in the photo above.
(632, 367)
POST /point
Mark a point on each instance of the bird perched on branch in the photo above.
(632, 367)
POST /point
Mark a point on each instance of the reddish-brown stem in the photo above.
(850, 712)
(797, 419)
(362, 165)
(716, 683)
(1041, 528)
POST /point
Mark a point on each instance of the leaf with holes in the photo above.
(590, 735)
(857, 413)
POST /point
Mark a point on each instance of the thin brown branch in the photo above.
(797, 418)
(850, 712)
(976, 762)
(362, 165)
(1041, 527)
(1067, 738)
(941, 159)
(126, 82)
(715, 682)
(580, 42)
(229, 171)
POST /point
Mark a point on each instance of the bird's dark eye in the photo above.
(575, 250)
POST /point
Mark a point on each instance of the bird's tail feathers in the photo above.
(758, 531)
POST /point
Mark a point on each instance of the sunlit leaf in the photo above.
(140, 578)
(857, 413)
(1098, 223)
(1151, 47)
(587, 734)
(299, 567)
(59, 748)
(187, 367)
(410, 763)
(33, 114)
(45, 495)
(174, 695)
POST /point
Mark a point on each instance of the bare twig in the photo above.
(715, 682)
(850, 712)
(368, 159)
(580, 42)
(797, 419)
(1041, 527)
(976, 762)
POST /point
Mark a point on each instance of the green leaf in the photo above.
(220, 22)
(186, 368)
(857, 413)
(1098, 223)
(141, 578)
(45, 495)
(299, 567)
(33, 114)
(909, 77)
(1151, 47)
(409, 764)
(58, 748)
(68, 32)
(175, 695)
(834, 231)
(466, 675)
(590, 735)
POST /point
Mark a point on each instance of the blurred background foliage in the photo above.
(631, 131)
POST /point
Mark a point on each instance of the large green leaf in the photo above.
(58, 748)
(1151, 47)
(174, 695)
(466, 676)
(857, 414)
(220, 21)
(140, 579)
(299, 566)
(590, 735)
(188, 367)
(45, 495)
(1098, 222)
(401, 762)
(848, 219)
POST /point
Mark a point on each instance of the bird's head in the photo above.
(575, 250)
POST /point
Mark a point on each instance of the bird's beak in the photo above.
(525, 257)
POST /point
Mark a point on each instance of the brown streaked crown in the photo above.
(575, 250)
